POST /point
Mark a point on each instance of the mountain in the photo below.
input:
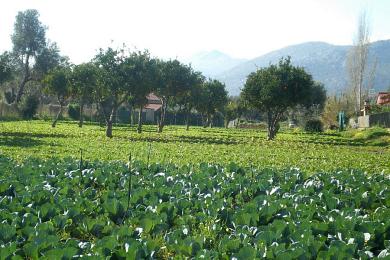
(212, 63)
(326, 62)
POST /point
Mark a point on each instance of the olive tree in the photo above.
(275, 89)
(28, 41)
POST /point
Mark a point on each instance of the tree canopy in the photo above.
(175, 82)
(83, 82)
(57, 83)
(276, 88)
(212, 100)
(28, 39)
(6, 68)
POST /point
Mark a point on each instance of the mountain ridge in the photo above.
(326, 62)
(212, 63)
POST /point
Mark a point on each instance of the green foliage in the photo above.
(74, 111)
(231, 110)
(57, 83)
(83, 81)
(328, 151)
(191, 96)
(275, 89)
(212, 99)
(375, 136)
(52, 209)
(317, 97)
(29, 34)
(333, 106)
(314, 125)
(377, 109)
(143, 75)
(28, 106)
(9, 96)
(278, 87)
(48, 58)
(113, 84)
(111, 81)
(6, 67)
(175, 79)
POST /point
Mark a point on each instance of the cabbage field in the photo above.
(365, 150)
(67, 193)
(54, 209)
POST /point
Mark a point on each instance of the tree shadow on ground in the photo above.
(184, 139)
(17, 141)
(34, 135)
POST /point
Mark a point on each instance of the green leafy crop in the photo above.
(52, 209)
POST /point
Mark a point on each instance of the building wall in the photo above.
(149, 116)
(382, 119)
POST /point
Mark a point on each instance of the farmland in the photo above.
(59, 209)
(308, 152)
(204, 193)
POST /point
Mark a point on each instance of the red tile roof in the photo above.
(153, 97)
(154, 107)
(383, 98)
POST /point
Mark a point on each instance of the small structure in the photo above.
(233, 123)
(366, 108)
(154, 105)
(383, 98)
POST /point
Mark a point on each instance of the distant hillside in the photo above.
(326, 62)
(212, 63)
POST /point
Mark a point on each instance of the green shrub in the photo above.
(314, 125)
(28, 106)
(74, 111)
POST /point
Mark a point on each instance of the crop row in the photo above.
(309, 152)
(52, 209)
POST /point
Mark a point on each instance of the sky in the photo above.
(181, 28)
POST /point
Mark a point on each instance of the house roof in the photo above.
(152, 98)
(154, 102)
(383, 98)
(153, 107)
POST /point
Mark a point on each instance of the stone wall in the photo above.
(382, 119)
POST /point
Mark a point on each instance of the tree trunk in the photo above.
(109, 122)
(57, 117)
(204, 121)
(271, 128)
(271, 133)
(109, 128)
(210, 121)
(81, 120)
(24, 80)
(162, 117)
(187, 120)
(226, 123)
(139, 128)
(131, 116)
(160, 125)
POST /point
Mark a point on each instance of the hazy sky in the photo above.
(180, 28)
